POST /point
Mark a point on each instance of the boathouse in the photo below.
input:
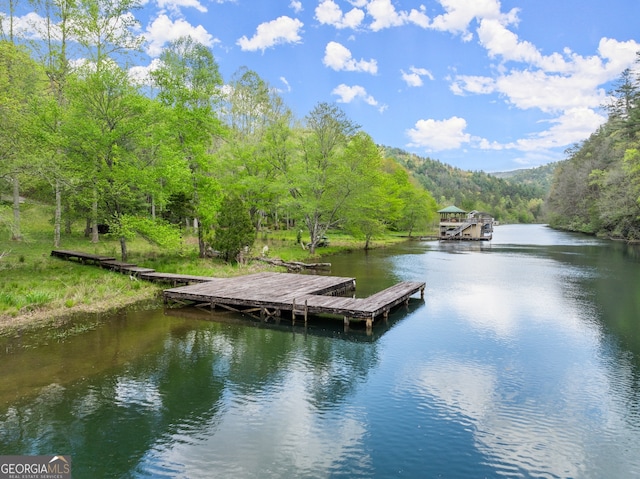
(457, 224)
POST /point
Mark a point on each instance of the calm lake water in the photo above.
(523, 360)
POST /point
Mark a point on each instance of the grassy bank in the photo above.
(37, 290)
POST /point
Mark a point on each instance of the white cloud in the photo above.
(29, 26)
(349, 93)
(329, 13)
(286, 83)
(175, 5)
(473, 84)
(414, 77)
(296, 5)
(385, 15)
(141, 74)
(281, 30)
(339, 58)
(164, 30)
(460, 13)
(572, 126)
(438, 135)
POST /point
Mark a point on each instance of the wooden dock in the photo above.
(266, 294)
(269, 294)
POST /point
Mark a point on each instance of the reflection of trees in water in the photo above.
(109, 422)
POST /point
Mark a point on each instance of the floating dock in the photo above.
(269, 294)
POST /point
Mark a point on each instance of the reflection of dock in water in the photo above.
(269, 294)
(324, 326)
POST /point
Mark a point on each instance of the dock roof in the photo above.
(451, 209)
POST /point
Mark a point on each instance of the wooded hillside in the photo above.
(597, 189)
(515, 197)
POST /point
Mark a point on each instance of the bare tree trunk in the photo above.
(94, 217)
(123, 248)
(15, 229)
(201, 244)
(58, 216)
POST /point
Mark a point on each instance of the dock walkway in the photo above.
(149, 274)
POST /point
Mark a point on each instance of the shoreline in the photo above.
(59, 315)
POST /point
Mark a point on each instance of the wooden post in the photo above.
(293, 312)
(346, 324)
(369, 323)
(306, 312)
(422, 293)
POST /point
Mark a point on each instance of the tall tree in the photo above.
(188, 81)
(257, 146)
(56, 32)
(21, 82)
(318, 190)
(110, 119)
(106, 30)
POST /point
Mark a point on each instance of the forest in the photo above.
(596, 190)
(180, 148)
(510, 197)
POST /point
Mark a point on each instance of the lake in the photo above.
(522, 361)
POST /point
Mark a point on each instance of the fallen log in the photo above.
(293, 265)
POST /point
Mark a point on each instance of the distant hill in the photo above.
(515, 196)
(541, 177)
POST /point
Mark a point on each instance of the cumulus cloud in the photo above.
(339, 58)
(296, 5)
(164, 30)
(460, 13)
(175, 5)
(347, 94)
(438, 135)
(572, 126)
(281, 30)
(414, 77)
(385, 15)
(329, 13)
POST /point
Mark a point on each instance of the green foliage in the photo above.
(156, 232)
(597, 188)
(234, 230)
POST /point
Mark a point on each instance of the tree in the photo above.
(59, 16)
(21, 80)
(372, 204)
(318, 189)
(234, 230)
(106, 31)
(188, 83)
(257, 146)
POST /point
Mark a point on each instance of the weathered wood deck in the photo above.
(271, 293)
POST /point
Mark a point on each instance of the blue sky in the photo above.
(489, 85)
